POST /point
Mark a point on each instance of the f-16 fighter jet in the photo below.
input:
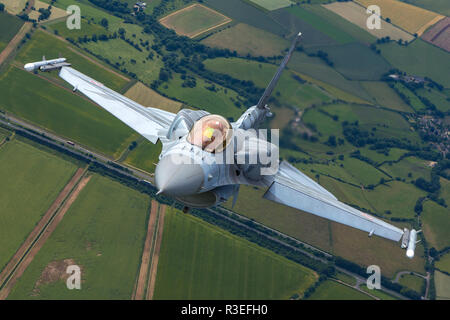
(205, 157)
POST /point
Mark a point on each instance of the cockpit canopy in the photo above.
(212, 133)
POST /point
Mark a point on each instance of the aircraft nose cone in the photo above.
(176, 176)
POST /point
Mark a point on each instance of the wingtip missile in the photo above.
(46, 65)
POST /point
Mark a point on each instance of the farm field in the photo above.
(194, 20)
(9, 26)
(439, 34)
(412, 281)
(442, 283)
(31, 180)
(289, 91)
(60, 111)
(56, 13)
(436, 225)
(88, 28)
(385, 96)
(241, 11)
(393, 155)
(272, 4)
(14, 6)
(103, 232)
(150, 98)
(199, 261)
(439, 99)
(356, 14)
(332, 290)
(42, 42)
(444, 263)
(419, 58)
(245, 39)
(439, 6)
(408, 17)
(413, 166)
(144, 156)
(414, 101)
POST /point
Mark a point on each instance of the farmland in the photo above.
(144, 156)
(436, 224)
(409, 168)
(272, 4)
(357, 14)
(412, 281)
(332, 290)
(245, 39)
(439, 6)
(439, 99)
(444, 263)
(31, 180)
(56, 13)
(60, 111)
(150, 98)
(194, 20)
(199, 261)
(442, 283)
(385, 96)
(410, 18)
(9, 26)
(439, 34)
(102, 232)
(14, 6)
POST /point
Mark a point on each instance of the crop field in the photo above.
(419, 58)
(357, 14)
(40, 102)
(332, 169)
(412, 281)
(150, 98)
(399, 199)
(31, 180)
(436, 225)
(439, 6)
(439, 34)
(14, 6)
(44, 44)
(442, 283)
(241, 11)
(245, 39)
(385, 96)
(289, 91)
(393, 155)
(272, 4)
(103, 233)
(414, 101)
(356, 61)
(199, 261)
(56, 13)
(408, 17)
(144, 156)
(219, 102)
(439, 99)
(281, 117)
(332, 290)
(409, 168)
(444, 263)
(194, 20)
(9, 26)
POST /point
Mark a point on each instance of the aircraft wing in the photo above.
(149, 122)
(294, 189)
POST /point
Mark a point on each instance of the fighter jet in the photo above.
(205, 157)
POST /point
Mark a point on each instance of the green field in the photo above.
(413, 166)
(444, 263)
(439, 6)
(30, 181)
(103, 233)
(200, 261)
(144, 156)
(378, 293)
(9, 26)
(40, 102)
(331, 290)
(414, 101)
(412, 282)
(288, 91)
(442, 283)
(44, 44)
(439, 99)
(436, 225)
(272, 4)
(193, 20)
(385, 96)
(393, 154)
(419, 58)
(88, 28)
(245, 39)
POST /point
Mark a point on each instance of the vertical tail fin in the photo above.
(268, 92)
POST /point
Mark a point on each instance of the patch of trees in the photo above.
(2, 7)
(323, 56)
(112, 5)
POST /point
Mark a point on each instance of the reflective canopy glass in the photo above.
(212, 133)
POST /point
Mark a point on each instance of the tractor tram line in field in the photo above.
(38, 236)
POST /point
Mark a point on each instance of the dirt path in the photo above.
(39, 227)
(43, 238)
(155, 257)
(12, 45)
(142, 280)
